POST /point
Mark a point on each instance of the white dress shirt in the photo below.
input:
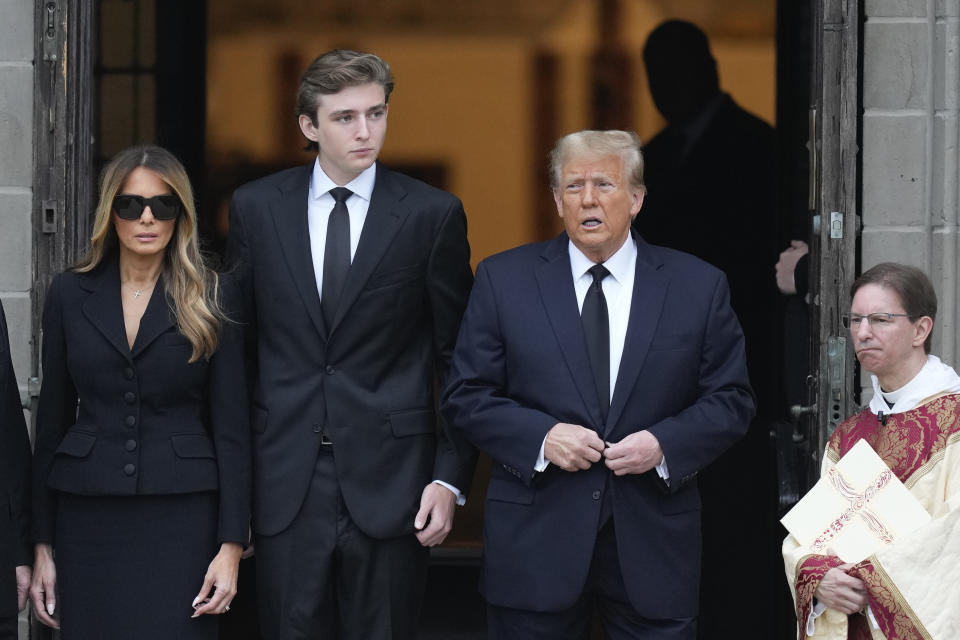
(618, 291)
(319, 207)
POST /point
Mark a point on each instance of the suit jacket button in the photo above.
(596, 494)
(317, 427)
(130, 445)
(130, 421)
(130, 397)
(128, 373)
(130, 469)
(330, 370)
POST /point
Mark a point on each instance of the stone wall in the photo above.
(16, 175)
(911, 94)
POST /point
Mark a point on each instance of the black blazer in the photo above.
(521, 366)
(369, 379)
(15, 547)
(147, 422)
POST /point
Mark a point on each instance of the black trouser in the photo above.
(324, 578)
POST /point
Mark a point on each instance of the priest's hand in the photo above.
(572, 447)
(637, 453)
(842, 592)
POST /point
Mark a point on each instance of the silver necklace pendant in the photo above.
(137, 293)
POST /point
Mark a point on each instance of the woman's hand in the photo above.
(43, 587)
(842, 592)
(221, 579)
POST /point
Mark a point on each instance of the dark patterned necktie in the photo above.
(336, 256)
(596, 328)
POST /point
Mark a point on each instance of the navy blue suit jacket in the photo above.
(521, 366)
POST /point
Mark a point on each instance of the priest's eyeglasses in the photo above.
(875, 320)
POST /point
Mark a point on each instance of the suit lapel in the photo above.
(103, 307)
(649, 291)
(384, 218)
(560, 300)
(157, 318)
(289, 215)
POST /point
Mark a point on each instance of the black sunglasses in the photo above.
(165, 207)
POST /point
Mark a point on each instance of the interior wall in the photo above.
(462, 100)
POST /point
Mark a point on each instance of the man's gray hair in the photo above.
(625, 144)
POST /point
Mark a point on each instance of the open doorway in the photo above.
(483, 91)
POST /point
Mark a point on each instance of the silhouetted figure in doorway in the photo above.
(711, 192)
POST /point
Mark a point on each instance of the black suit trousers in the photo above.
(323, 578)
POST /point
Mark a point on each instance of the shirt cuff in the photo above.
(542, 462)
(663, 471)
(461, 499)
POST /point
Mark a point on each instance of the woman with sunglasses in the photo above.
(141, 465)
(908, 589)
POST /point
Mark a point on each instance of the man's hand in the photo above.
(24, 574)
(842, 592)
(572, 447)
(435, 518)
(786, 265)
(637, 453)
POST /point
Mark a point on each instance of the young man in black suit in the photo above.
(355, 280)
(16, 553)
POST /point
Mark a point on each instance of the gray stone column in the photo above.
(16, 175)
(911, 94)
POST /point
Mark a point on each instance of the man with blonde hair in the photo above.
(601, 374)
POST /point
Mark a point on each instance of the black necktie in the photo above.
(336, 255)
(596, 327)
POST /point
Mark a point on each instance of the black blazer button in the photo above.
(130, 445)
(330, 370)
(596, 494)
(130, 469)
(130, 397)
(130, 420)
(128, 373)
(317, 427)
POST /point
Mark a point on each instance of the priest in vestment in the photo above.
(909, 589)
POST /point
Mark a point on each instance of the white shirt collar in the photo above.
(362, 185)
(933, 379)
(619, 264)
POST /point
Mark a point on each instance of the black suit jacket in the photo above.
(369, 379)
(521, 366)
(147, 422)
(15, 547)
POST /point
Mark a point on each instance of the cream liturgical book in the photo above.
(855, 508)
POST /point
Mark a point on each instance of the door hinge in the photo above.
(48, 222)
(49, 24)
(836, 225)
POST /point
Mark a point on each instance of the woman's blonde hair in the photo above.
(190, 284)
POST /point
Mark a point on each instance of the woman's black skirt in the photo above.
(130, 567)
